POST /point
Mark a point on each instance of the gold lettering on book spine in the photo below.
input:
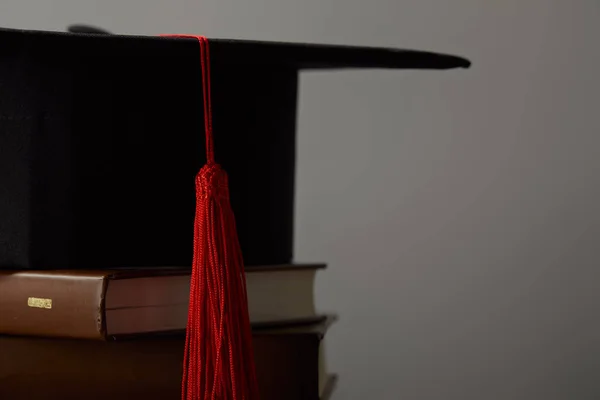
(39, 303)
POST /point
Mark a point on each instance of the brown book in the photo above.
(101, 304)
(290, 365)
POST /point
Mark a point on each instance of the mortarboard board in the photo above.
(100, 137)
(99, 141)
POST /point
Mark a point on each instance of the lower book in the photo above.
(290, 365)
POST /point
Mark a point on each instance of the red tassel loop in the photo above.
(218, 360)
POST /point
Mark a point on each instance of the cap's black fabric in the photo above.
(101, 137)
(244, 52)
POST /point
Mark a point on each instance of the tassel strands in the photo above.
(218, 359)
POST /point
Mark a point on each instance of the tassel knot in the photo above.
(212, 181)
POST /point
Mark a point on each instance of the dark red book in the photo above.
(290, 365)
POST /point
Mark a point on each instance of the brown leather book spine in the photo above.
(146, 368)
(52, 304)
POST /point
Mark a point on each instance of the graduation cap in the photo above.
(101, 140)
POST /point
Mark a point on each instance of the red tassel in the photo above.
(219, 361)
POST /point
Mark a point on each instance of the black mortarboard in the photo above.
(101, 138)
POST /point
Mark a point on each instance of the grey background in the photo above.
(459, 211)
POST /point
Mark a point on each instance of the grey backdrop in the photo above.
(459, 211)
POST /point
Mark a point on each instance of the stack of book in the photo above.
(119, 334)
